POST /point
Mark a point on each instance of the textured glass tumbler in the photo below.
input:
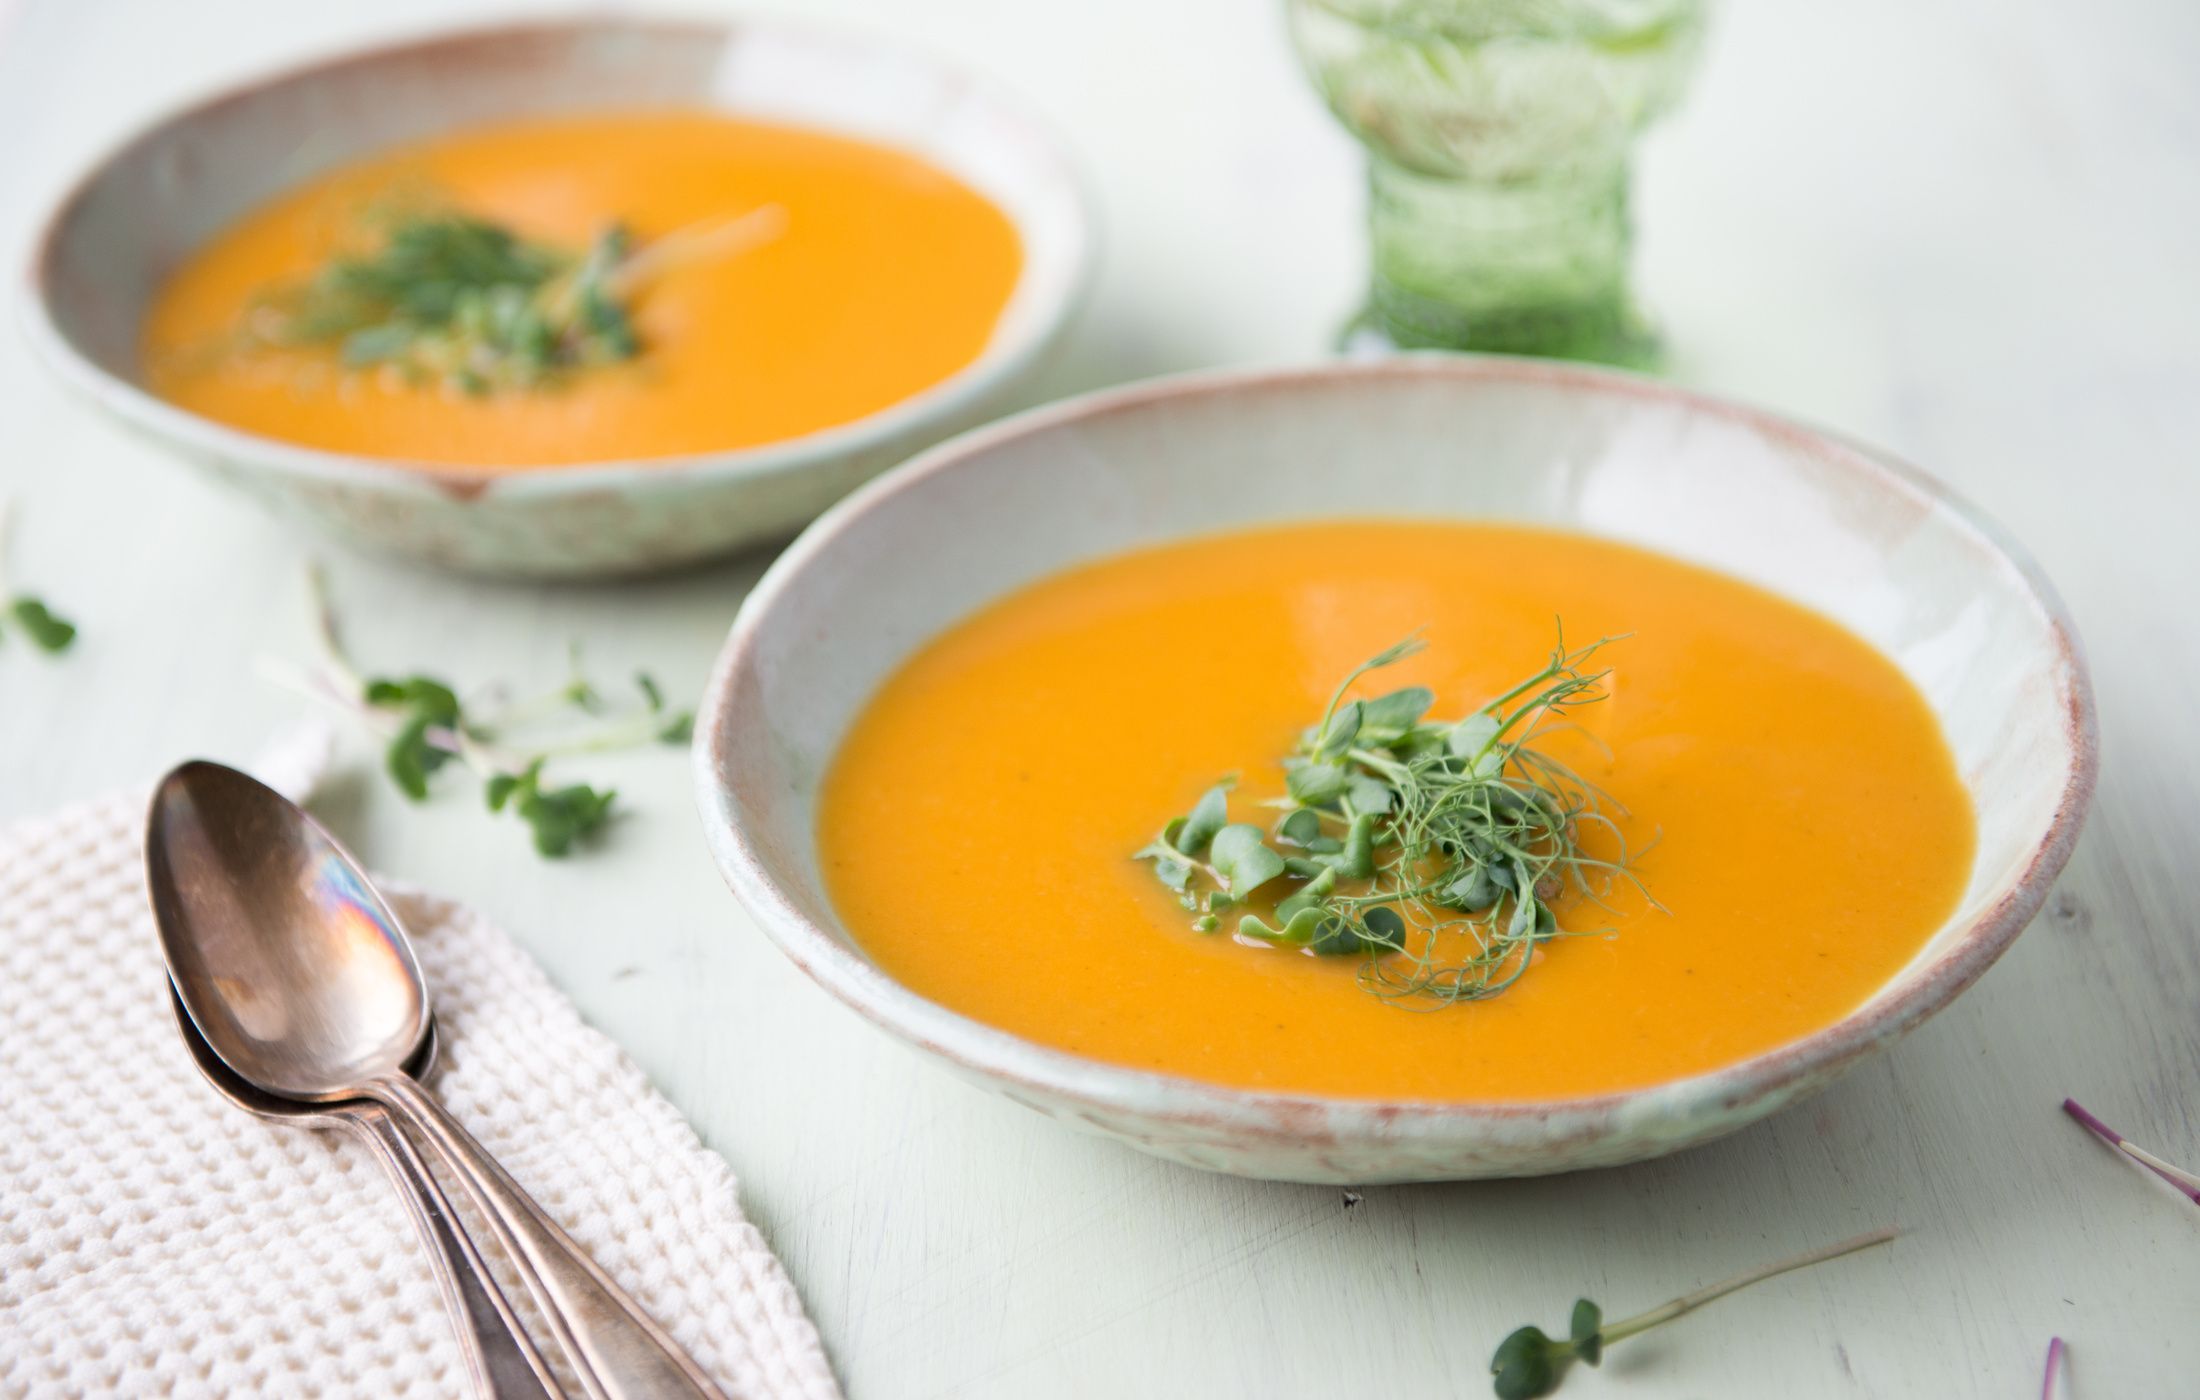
(1498, 133)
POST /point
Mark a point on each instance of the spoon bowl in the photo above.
(290, 964)
(301, 981)
(226, 1082)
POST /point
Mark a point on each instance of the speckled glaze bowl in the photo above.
(143, 208)
(1837, 526)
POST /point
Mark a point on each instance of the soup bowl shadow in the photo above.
(138, 212)
(1829, 523)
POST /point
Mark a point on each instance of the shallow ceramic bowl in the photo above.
(1839, 527)
(138, 212)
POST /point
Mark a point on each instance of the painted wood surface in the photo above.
(1963, 231)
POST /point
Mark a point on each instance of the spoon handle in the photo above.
(501, 1360)
(619, 1352)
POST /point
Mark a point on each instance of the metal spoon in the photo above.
(302, 981)
(499, 1358)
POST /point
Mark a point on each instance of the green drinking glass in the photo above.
(1498, 134)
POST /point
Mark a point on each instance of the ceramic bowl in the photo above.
(1840, 527)
(142, 209)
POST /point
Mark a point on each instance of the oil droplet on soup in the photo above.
(1807, 830)
(886, 275)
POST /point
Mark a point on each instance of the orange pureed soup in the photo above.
(874, 275)
(977, 824)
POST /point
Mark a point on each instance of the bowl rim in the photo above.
(997, 363)
(1724, 1093)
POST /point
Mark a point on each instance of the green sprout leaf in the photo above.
(564, 815)
(1243, 859)
(678, 730)
(1526, 1366)
(1301, 828)
(411, 757)
(1357, 860)
(1337, 737)
(1388, 718)
(1315, 784)
(1299, 930)
(1207, 818)
(48, 631)
(1169, 868)
(1588, 1340)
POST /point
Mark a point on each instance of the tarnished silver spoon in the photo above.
(499, 1358)
(301, 980)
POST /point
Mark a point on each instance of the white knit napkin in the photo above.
(156, 1241)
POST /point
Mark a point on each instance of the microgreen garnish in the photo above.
(27, 612)
(1435, 848)
(2186, 1183)
(425, 727)
(1530, 1363)
(452, 299)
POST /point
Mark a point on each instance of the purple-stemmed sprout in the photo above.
(2186, 1183)
(2055, 1363)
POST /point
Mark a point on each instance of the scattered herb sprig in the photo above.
(2187, 1184)
(27, 613)
(426, 727)
(1530, 1363)
(1436, 849)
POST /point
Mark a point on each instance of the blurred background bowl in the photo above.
(142, 209)
(1841, 528)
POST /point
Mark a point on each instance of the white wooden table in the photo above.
(1965, 231)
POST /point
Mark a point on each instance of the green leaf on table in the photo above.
(1588, 1338)
(1523, 1368)
(411, 757)
(563, 815)
(48, 631)
(421, 694)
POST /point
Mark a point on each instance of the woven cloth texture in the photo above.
(155, 1240)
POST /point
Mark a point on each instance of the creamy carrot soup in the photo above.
(1790, 807)
(783, 281)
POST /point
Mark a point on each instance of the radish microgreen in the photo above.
(1530, 1363)
(2187, 1184)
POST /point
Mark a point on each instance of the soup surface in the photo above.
(881, 276)
(1811, 830)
